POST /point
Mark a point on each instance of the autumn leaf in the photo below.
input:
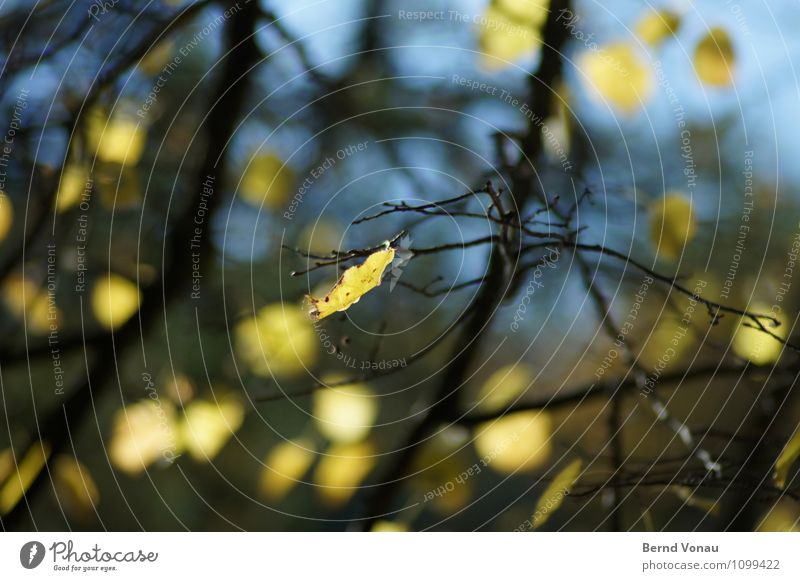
(790, 453)
(353, 284)
(554, 494)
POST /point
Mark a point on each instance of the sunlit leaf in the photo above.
(344, 413)
(74, 183)
(114, 300)
(342, 469)
(75, 488)
(618, 74)
(790, 453)
(504, 386)
(672, 225)
(20, 479)
(388, 526)
(504, 38)
(143, 433)
(518, 441)
(657, 25)
(208, 425)
(284, 466)
(6, 216)
(352, 285)
(715, 59)
(266, 180)
(554, 494)
(279, 341)
(118, 138)
(756, 345)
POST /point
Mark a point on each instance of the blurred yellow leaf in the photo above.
(208, 425)
(157, 57)
(114, 300)
(142, 433)
(617, 73)
(6, 215)
(783, 517)
(25, 298)
(504, 386)
(352, 285)
(689, 496)
(388, 526)
(505, 36)
(279, 341)
(284, 466)
(667, 344)
(554, 494)
(344, 413)
(714, 58)
(320, 237)
(6, 464)
(518, 441)
(657, 25)
(266, 180)
(117, 139)
(443, 470)
(342, 469)
(788, 457)
(754, 344)
(20, 479)
(672, 225)
(119, 186)
(75, 488)
(74, 183)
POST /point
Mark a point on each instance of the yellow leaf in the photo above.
(756, 345)
(278, 342)
(208, 425)
(503, 39)
(6, 215)
(20, 479)
(689, 496)
(342, 469)
(657, 25)
(157, 57)
(25, 298)
(672, 225)
(788, 457)
(388, 526)
(285, 464)
(75, 487)
(117, 139)
(444, 470)
(714, 58)
(530, 11)
(504, 386)
(554, 494)
(143, 433)
(616, 73)
(783, 517)
(267, 180)
(352, 285)
(344, 413)
(74, 183)
(518, 441)
(114, 299)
